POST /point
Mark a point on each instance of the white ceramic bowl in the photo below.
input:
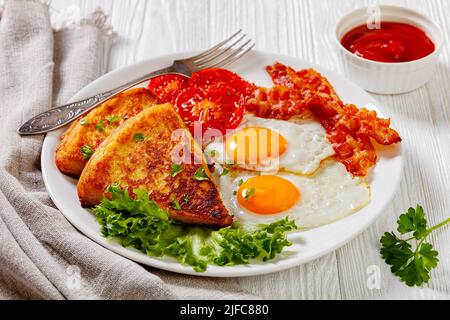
(382, 77)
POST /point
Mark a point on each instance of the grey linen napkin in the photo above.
(42, 256)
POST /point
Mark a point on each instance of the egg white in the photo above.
(307, 145)
(329, 195)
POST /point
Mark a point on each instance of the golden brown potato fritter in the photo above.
(90, 131)
(139, 154)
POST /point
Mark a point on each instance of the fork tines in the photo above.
(225, 52)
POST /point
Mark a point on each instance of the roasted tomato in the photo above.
(216, 75)
(164, 87)
(218, 106)
(213, 97)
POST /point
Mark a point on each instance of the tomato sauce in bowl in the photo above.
(393, 42)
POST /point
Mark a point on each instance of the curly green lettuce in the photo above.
(139, 222)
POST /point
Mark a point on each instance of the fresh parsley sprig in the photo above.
(412, 266)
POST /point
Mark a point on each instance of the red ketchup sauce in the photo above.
(393, 42)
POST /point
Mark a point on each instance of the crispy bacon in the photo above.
(353, 148)
(365, 122)
(349, 129)
(304, 79)
(279, 102)
(356, 152)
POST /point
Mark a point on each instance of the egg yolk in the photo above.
(267, 194)
(254, 145)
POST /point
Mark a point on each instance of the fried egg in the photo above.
(297, 146)
(330, 194)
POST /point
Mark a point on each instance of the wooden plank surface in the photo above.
(304, 28)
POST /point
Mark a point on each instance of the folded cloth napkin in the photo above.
(42, 256)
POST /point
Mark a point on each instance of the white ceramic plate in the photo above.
(308, 245)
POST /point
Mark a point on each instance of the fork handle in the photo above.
(62, 115)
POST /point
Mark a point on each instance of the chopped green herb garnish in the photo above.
(212, 153)
(234, 192)
(84, 122)
(200, 174)
(186, 199)
(86, 151)
(224, 172)
(139, 222)
(175, 204)
(411, 266)
(176, 169)
(249, 193)
(112, 118)
(240, 182)
(138, 137)
(99, 125)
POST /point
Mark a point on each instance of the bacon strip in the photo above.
(349, 129)
(308, 79)
(279, 102)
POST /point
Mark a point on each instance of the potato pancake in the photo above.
(155, 151)
(85, 135)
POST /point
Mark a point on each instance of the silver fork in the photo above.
(221, 55)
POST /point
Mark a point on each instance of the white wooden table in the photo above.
(304, 28)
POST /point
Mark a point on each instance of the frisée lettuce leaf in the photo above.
(139, 222)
